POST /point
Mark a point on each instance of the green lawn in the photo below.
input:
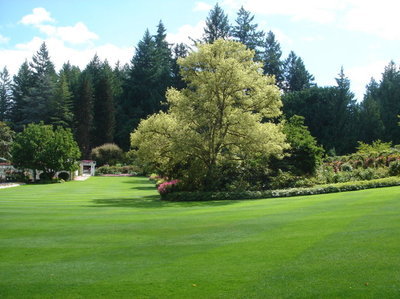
(112, 237)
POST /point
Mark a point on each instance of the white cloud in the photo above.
(202, 6)
(39, 16)
(61, 53)
(186, 31)
(374, 17)
(4, 39)
(77, 34)
(378, 18)
(312, 10)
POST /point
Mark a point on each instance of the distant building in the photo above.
(88, 167)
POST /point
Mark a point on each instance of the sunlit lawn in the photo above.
(113, 237)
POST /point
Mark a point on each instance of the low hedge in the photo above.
(321, 189)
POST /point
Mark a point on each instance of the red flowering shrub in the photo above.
(167, 187)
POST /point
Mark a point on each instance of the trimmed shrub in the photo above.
(349, 186)
(108, 153)
(117, 170)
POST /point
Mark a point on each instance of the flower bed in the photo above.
(331, 188)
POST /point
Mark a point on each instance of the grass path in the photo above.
(112, 238)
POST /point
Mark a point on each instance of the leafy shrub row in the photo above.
(130, 169)
(341, 187)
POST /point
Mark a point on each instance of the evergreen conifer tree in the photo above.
(271, 57)
(22, 83)
(5, 95)
(37, 104)
(84, 114)
(296, 77)
(245, 31)
(217, 25)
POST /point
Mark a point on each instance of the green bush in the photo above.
(341, 187)
(109, 153)
(394, 168)
(128, 169)
(346, 167)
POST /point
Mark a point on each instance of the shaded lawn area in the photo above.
(113, 237)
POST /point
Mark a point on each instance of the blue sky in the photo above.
(360, 35)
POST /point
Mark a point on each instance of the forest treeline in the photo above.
(104, 103)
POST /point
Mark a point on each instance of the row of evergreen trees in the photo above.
(105, 104)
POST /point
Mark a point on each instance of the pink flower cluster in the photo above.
(167, 186)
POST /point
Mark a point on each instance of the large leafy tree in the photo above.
(216, 120)
(40, 147)
(5, 95)
(217, 25)
(245, 31)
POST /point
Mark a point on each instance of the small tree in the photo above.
(108, 153)
(40, 147)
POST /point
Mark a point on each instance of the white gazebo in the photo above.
(88, 167)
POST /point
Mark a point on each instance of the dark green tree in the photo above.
(388, 98)
(84, 114)
(217, 25)
(37, 104)
(103, 107)
(245, 31)
(317, 106)
(371, 125)
(304, 155)
(61, 105)
(5, 95)
(141, 96)
(271, 58)
(22, 83)
(296, 77)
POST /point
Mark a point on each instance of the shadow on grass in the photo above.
(154, 201)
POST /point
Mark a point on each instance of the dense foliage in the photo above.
(40, 147)
(108, 153)
(215, 123)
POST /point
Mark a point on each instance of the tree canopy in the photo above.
(216, 120)
(40, 147)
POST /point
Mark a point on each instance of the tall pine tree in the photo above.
(296, 77)
(5, 95)
(103, 108)
(271, 58)
(84, 114)
(22, 82)
(245, 31)
(217, 25)
(37, 104)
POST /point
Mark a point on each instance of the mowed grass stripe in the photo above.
(113, 237)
